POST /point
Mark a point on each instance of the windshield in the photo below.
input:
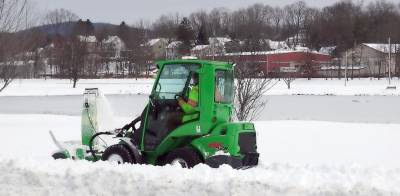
(173, 79)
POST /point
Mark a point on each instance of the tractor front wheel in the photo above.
(117, 153)
(184, 157)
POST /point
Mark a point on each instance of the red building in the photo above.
(272, 61)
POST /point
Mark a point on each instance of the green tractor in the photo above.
(208, 136)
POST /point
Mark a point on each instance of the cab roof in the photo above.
(194, 61)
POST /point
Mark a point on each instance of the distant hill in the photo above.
(67, 28)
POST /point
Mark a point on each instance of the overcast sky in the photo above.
(115, 11)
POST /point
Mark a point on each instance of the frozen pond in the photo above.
(373, 109)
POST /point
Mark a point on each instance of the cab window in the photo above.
(223, 92)
(173, 79)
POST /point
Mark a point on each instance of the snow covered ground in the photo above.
(33, 177)
(366, 109)
(355, 153)
(40, 87)
(297, 158)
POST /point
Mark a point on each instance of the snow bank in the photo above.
(358, 87)
(66, 177)
(297, 158)
(39, 87)
(293, 142)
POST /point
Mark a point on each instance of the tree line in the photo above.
(343, 24)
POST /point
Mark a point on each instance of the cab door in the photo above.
(163, 106)
(223, 95)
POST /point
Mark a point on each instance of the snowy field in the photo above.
(297, 158)
(320, 86)
(345, 144)
(365, 109)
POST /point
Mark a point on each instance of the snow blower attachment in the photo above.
(89, 131)
(186, 121)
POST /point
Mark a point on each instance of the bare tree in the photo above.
(59, 16)
(166, 26)
(78, 47)
(288, 79)
(13, 17)
(277, 17)
(7, 74)
(295, 18)
(288, 75)
(308, 68)
(250, 90)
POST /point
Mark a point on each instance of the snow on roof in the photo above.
(281, 51)
(383, 47)
(275, 45)
(115, 41)
(153, 41)
(174, 44)
(219, 40)
(89, 38)
(327, 50)
(343, 67)
(200, 47)
(112, 39)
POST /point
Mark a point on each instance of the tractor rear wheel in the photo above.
(184, 157)
(117, 153)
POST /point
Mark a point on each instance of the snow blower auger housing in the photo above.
(168, 133)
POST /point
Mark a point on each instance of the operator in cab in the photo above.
(188, 103)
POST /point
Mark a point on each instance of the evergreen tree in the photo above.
(185, 34)
(202, 36)
(124, 32)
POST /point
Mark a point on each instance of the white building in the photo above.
(371, 59)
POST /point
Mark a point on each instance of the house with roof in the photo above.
(90, 41)
(158, 47)
(172, 50)
(298, 39)
(215, 47)
(112, 46)
(370, 59)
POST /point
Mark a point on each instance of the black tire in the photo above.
(59, 155)
(188, 155)
(120, 151)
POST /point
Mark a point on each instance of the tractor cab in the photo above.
(164, 114)
(175, 80)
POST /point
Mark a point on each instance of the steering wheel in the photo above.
(158, 87)
(178, 95)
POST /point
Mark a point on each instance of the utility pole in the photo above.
(345, 72)
(390, 60)
(267, 64)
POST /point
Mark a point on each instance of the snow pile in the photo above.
(296, 158)
(66, 177)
